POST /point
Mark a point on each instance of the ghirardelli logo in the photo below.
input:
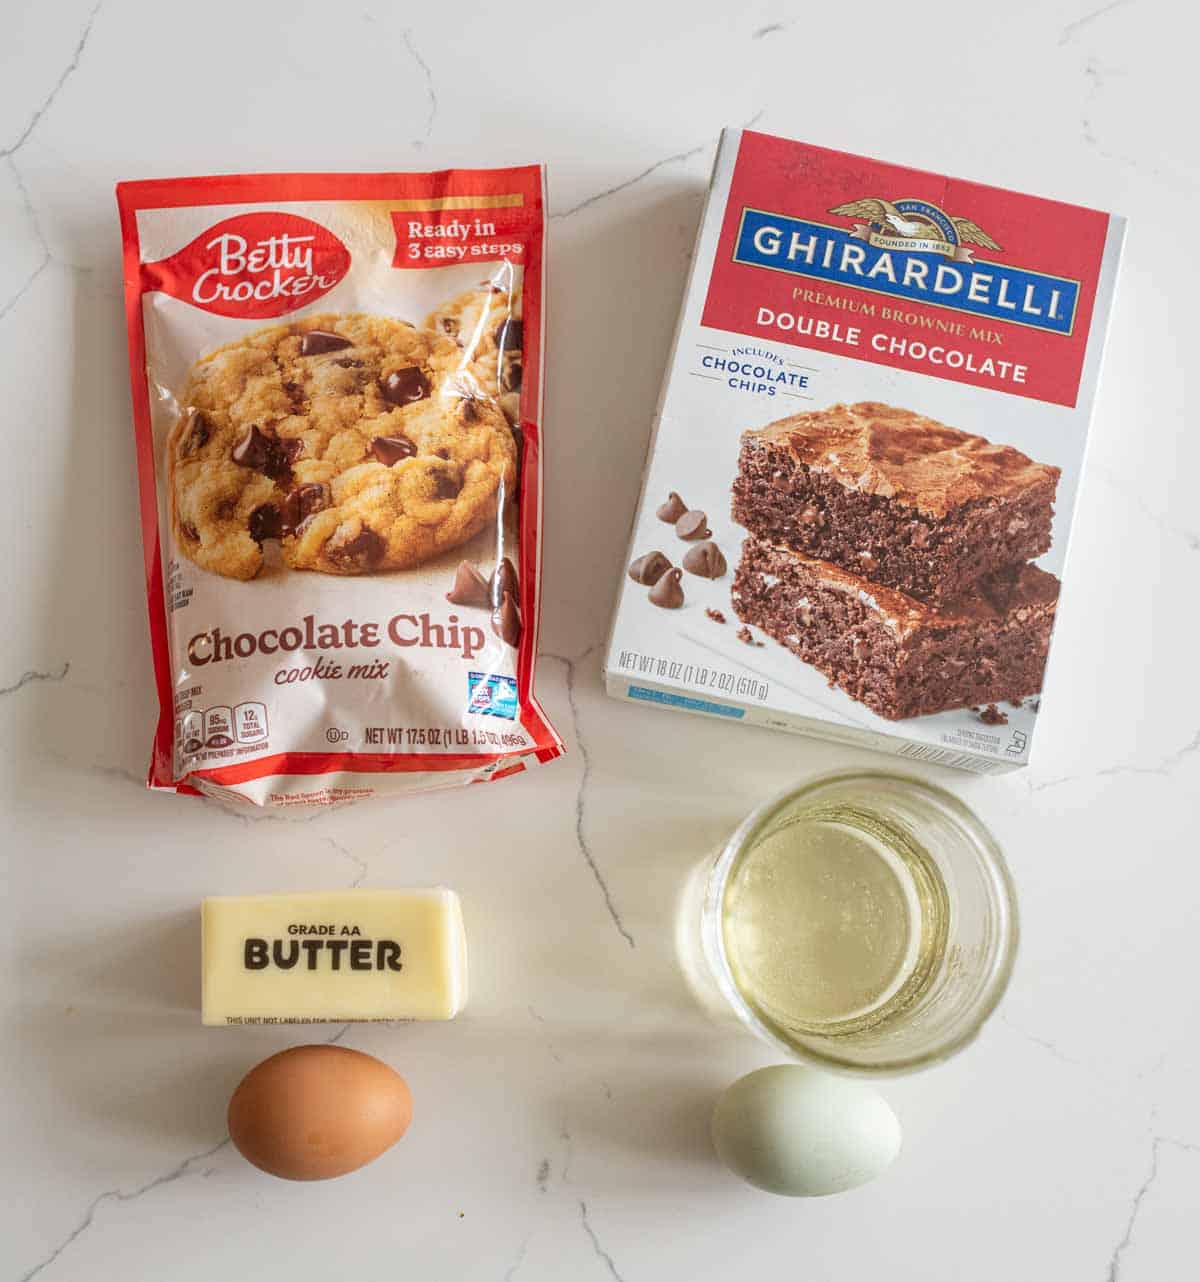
(253, 266)
(909, 249)
(915, 226)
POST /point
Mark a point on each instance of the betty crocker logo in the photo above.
(253, 266)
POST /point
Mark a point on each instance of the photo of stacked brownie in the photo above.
(892, 553)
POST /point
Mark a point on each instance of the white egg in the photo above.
(802, 1133)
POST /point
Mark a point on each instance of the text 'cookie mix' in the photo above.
(337, 391)
(874, 415)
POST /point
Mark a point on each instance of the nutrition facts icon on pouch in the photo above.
(221, 727)
(191, 732)
(218, 728)
(250, 722)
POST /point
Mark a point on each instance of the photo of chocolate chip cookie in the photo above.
(355, 440)
(485, 322)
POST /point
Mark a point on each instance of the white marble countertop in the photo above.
(562, 1124)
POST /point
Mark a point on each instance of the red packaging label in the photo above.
(906, 268)
(462, 229)
(253, 266)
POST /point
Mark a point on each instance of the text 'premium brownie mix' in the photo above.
(874, 416)
(337, 386)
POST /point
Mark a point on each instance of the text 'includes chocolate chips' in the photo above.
(403, 386)
(470, 587)
(504, 580)
(705, 560)
(672, 509)
(506, 620)
(693, 525)
(318, 341)
(667, 592)
(389, 450)
(649, 569)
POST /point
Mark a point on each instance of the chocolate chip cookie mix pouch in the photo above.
(337, 392)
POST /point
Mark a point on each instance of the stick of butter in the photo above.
(333, 957)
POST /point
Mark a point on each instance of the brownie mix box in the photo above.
(865, 459)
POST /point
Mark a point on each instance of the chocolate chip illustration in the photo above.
(649, 569)
(267, 454)
(446, 484)
(304, 501)
(195, 435)
(672, 509)
(348, 362)
(510, 376)
(506, 621)
(470, 587)
(508, 335)
(253, 450)
(189, 531)
(472, 408)
(504, 580)
(693, 525)
(403, 386)
(318, 341)
(389, 450)
(450, 326)
(265, 523)
(290, 448)
(355, 552)
(705, 560)
(666, 592)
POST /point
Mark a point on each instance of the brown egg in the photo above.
(314, 1112)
